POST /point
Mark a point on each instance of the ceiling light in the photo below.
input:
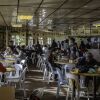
(49, 21)
(16, 25)
(85, 6)
(98, 25)
(44, 11)
(25, 17)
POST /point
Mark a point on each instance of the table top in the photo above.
(85, 74)
(10, 69)
(64, 62)
(8, 60)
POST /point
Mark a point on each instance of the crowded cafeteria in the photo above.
(49, 50)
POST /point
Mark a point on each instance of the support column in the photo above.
(90, 28)
(27, 32)
(7, 40)
(36, 22)
(44, 39)
(72, 31)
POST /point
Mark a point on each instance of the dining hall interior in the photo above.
(49, 49)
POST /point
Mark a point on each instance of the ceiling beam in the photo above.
(72, 10)
(89, 1)
(95, 19)
(3, 18)
(91, 21)
(75, 18)
(75, 22)
(7, 5)
(44, 7)
(17, 10)
(31, 5)
(93, 10)
(63, 8)
(54, 11)
(38, 7)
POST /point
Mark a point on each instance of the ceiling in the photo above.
(53, 13)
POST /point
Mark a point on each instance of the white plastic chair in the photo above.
(61, 81)
(1, 83)
(33, 57)
(22, 80)
(45, 71)
(26, 63)
(70, 77)
(68, 67)
(18, 66)
(14, 75)
(19, 80)
(22, 62)
(51, 72)
(39, 62)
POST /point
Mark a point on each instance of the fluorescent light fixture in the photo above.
(96, 25)
(85, 6)
(16, 25)
(49, 22)
(43, 13)
(25, 17)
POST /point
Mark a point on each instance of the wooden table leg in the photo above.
(94, 88)
(73, 91)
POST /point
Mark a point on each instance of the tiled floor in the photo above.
(34, 80)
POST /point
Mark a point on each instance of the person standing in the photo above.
(54, 44)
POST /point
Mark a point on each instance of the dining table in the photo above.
(64, 61)
(7, 62)
(94, 75)
(10, 69)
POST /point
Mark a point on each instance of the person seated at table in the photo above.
(45, 49)
(73, 48)
(51, 59)
(38, 48)
(8, 51)
(86, 62)
(2, 68)
(82, 46)
(20, 54)
(91, 62)
(2, 56)
(54, 44)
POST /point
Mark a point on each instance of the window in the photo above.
(30, 40)
(40, 40)
(49, 41)
(18, 39)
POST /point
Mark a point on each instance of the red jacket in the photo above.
(2, 68)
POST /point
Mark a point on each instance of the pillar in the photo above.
(27, 32)
(90, 28)
(7, 40)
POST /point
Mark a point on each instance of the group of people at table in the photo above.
(65, 52)
(79, 56)
(8, 58)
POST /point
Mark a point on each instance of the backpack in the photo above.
(36, 94)
(33, 97)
